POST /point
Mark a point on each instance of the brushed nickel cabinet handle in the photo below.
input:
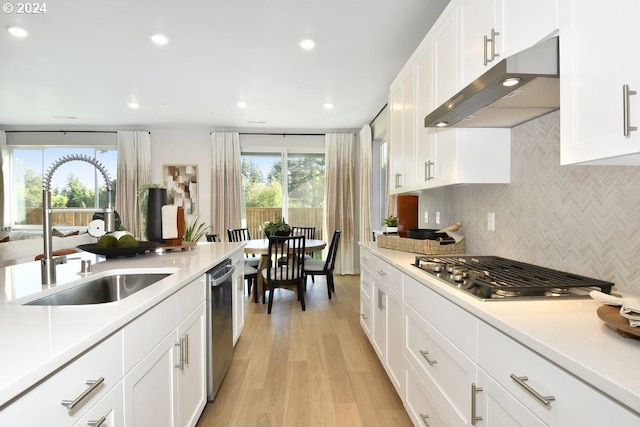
(494, 55)
(486, 49)
(626, 111)
(474, 416)
(185, 349)
(521, 381)
(93, 384)
(180, 363)
(364, 316)
(429, 360)
(97, 423)
(425, 419)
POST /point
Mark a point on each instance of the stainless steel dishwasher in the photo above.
(219, 325)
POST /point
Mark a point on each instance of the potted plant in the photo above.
(193, 231)
(390, 224)
(278, 228)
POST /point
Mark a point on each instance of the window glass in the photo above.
(75, 184)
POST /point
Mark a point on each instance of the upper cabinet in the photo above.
(402, 132)
(600, 75)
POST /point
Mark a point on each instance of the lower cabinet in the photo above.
(237, 296)
(108, 412)
(453, 369)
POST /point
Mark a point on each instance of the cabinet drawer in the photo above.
(42, 405)
(111, 407)
(390, 277)
(573, 403)
(365, 314)
(145, 332)
(437, 359)
(420, 403)
(450, 320)
(365, 282)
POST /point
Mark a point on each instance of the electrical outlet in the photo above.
(437, 217)
(426, 216)
(491, 221)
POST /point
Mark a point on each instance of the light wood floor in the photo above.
(311, 368)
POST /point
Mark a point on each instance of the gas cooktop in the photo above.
(492, 278)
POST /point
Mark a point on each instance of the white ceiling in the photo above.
(89, 58)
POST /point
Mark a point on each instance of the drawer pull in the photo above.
(185, 349)
(521, 381)
(474, 417)
(425, 419)
(93, 384)
(97, 423)
(364, 316)
(180, 363)
(430, 361)
(382, 273)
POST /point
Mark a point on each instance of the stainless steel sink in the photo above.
(105, 289)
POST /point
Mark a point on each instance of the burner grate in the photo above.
(515, 277)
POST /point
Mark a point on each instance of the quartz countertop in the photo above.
(40, 339)
(567, 332)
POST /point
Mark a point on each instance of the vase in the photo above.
(156, 200)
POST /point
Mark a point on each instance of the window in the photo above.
(75, 184)
(267, 196)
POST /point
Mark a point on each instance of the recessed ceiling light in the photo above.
(327, 106)
(159, 39)
(242, 104)
(307, 44)
(133, 105)
(17, 31)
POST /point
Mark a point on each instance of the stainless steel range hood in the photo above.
(486, 102)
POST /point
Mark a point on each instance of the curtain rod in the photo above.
(64, 131)
(379, 112)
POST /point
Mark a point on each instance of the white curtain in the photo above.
(134, 170)
(226, 182)
(339, 209)
(365, 184)
(4, 199)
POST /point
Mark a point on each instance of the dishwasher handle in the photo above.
(218, 280)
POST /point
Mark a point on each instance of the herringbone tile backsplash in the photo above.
(581, 219)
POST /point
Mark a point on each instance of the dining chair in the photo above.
(324, 268)
(250, 262)
(211, 237)
(285, 275)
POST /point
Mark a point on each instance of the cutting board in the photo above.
(610, 315)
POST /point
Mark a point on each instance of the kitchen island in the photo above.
(453, 346)
(42, 340)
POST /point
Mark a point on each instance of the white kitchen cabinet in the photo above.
(402, 140)
(446, 76)
(108, 412)
(498, 408)
(524, 23)
(237, 296)
(96, 372)
(387, 319)
(421, 403)
(425, 137)
(553, 395)
(366, 289)
(598, 60)
(472, 156)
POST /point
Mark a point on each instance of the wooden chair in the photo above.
(211, 237)
(238, 234)
(324, 268)
(290, 274)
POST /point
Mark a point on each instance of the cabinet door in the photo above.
(447, 64)
(525, 23)
(477, 19)
(395, 342)
(379, 320)
(409, 130)
(425, 153)
(366, 309)
(395, 139)
(598, 58)
(498, 408)
(238, 299)
(192, 388)
(150, 387)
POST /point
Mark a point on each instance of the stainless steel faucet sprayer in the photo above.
(48, 266)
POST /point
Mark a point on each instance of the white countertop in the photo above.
(37, 340)
(567, 332)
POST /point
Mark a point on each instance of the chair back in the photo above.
(290, 248)
(238, 234)
(211, 237)
(308, 232)
(330, 262)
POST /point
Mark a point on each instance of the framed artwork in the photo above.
(182, 186)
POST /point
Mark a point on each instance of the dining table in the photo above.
(260, 247)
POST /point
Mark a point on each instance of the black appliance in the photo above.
(492, 278)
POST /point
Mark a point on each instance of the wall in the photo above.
(581, 219)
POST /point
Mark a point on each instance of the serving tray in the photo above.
(610, 315)
(143, 246)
